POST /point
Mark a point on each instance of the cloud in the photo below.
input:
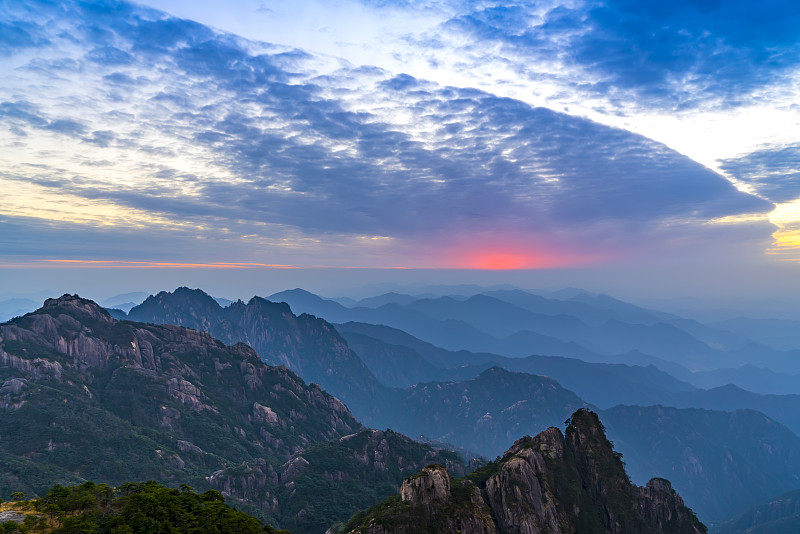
(23, 112)
(674, 55)
(227, 140)
(108, 55)
(774, 172)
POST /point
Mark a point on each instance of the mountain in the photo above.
(305, 344)
(749, 377)
(783, 408)
(486, 413)
(83, 396)
(483, 323)
(304, 301)
(779, 515)
(552, 483)
(445, 332)
(777, 333)
(394, 365)
(592, 312)
(328, 482)
(15, 307)
(386, 298)
(496, 317)
(125, 301)
(595, 328)
(398, 359)
(721, 462)
(688, 446)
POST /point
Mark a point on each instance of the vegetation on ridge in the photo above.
(144, 507)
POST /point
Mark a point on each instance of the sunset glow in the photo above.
(377, 135)
(515, 256)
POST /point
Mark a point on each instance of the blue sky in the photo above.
(615, 136)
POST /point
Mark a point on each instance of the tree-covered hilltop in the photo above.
(145, 507)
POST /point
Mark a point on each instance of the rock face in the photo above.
(430, 487)
(328, 482)
(307, 345)
(83, 396)
(551, 484)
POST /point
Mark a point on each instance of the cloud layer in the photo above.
(156, 126)
(666, 55)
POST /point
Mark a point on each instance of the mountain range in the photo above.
(475, 402)
(86, 397)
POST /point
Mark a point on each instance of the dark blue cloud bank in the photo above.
(244, 138)
(680, 54)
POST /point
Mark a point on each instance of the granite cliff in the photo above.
(553, 483)
(305, 344)
(84, 396)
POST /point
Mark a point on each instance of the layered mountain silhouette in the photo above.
(476, 403)
(590, 327)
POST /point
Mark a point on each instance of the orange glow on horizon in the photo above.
(501, 261)
(512, 256)
(130, 264)
(160, 264)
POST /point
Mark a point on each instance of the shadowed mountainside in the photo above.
(552, 483)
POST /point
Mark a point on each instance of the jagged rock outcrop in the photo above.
(328, 482)
(429, 493)
(307, 345)
(427, 489)
(553, 483)
(81, 391)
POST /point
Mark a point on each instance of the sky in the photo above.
(622, 145)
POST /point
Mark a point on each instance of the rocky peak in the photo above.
(305, 344)
(552, 483)
(663, 507)
(429, 486)
(76, 307)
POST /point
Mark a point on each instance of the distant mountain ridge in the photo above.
(488, 417)
(390, 352)
(591, 327)
(720, 462)
(779, 515)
